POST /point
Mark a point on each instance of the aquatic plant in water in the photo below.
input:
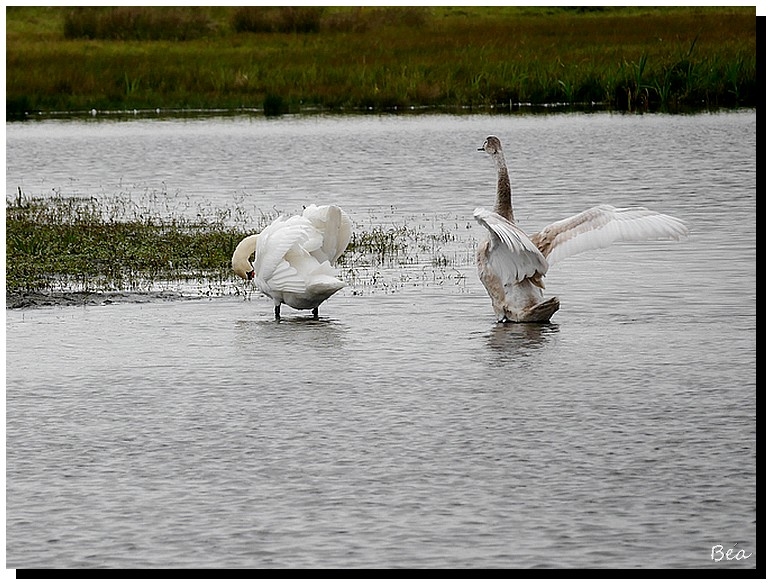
(154, 243)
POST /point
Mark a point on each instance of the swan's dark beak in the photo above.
(481, 148)
(250, 275)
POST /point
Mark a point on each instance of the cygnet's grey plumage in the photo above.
(512, 265)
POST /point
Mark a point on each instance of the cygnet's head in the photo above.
(492, 145)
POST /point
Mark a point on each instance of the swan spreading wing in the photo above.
(511, 264)
(512, 255)
(601, 226)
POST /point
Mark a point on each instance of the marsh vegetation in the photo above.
(81, 249)
(279, 60)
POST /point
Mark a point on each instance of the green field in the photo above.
(345, 59)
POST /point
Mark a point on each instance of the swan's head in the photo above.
(241, 263)
(492, 146)
(246, 272)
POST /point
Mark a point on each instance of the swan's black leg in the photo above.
(315, 312)
(277, 312)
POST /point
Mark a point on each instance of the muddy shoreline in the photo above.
(26, 300)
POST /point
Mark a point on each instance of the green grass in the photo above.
(383, 59)
(88, 244)
(62, 245)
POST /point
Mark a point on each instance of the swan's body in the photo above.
(294, 257)
(512, 264)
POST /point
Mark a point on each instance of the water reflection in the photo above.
(297, 331)
(511, 341)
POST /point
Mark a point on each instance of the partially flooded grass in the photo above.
(88, 244)
(388, 255)
(57, 247)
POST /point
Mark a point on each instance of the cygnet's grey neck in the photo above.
(504, 189)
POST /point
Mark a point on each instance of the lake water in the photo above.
(405, 427)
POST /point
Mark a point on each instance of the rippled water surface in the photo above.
(405, 428)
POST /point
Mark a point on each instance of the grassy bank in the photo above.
(384, 59)
(58, 247)
(86, 244)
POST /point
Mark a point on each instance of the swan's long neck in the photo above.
(240, 261)
(504, 189)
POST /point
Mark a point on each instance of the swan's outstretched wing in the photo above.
(335, 228)
(603, 225)
(512, 256)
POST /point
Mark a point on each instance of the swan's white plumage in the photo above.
(511, 264)
(334, 227)
(272, 267)
(294, 256)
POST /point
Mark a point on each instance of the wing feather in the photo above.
(512, 255)
(293, 251)
(335, 228)
(603, 225)
(272, 246)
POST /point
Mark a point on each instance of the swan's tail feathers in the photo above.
(324, 286)
(542, 312)
(322, 282)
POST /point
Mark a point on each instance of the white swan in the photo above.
(511, 264)
(293, 257)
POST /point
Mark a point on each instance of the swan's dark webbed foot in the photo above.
(277, 312)
(315, 312)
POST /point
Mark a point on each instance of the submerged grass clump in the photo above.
(380, 245)
(61, 245)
